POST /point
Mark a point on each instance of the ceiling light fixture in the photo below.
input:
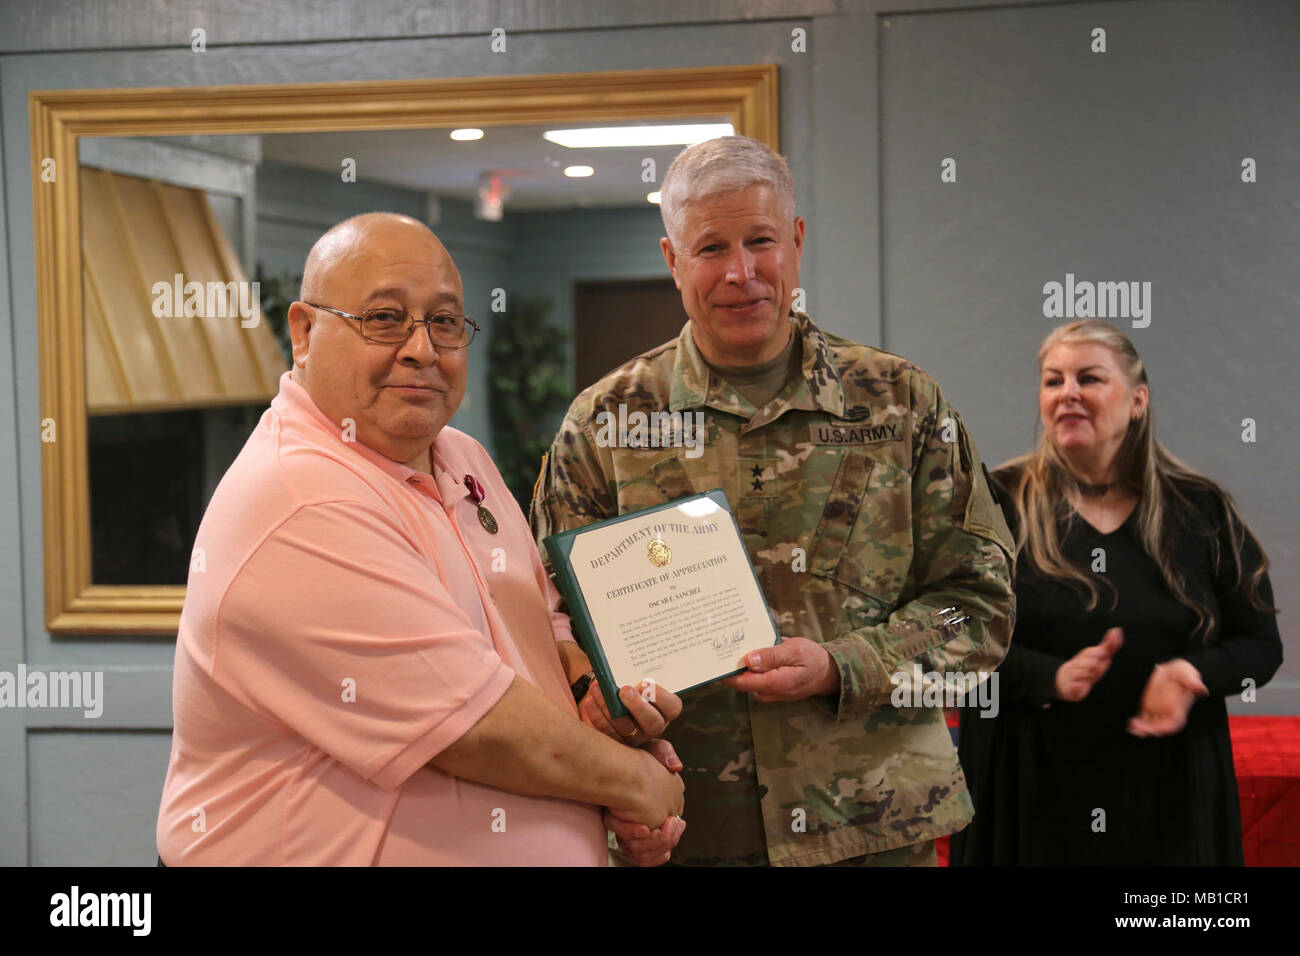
(466, 135)
(652, 197)
(578, 172)
(608, 136)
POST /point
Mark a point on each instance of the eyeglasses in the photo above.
(394, 326)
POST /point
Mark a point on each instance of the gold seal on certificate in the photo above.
(660, 555)
(667, 595)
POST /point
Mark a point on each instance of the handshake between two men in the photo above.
(651, 709)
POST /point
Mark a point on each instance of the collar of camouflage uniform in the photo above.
(819, 390)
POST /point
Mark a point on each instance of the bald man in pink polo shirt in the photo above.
(370, 666)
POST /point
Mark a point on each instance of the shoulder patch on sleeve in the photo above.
(988, 480)
(983, 513)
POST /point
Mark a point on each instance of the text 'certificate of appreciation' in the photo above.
(665, 594)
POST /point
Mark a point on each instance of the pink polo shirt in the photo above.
(346, 619)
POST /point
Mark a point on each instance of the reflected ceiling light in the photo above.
(699, 508)
(465, 135)
(578, 172)
(652, 197)
(599, 137)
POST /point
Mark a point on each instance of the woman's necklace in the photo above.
(1093, 491)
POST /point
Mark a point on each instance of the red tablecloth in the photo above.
(1266, 755)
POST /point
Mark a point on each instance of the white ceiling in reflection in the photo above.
(428, 159)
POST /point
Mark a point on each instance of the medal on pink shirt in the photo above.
(485, 517)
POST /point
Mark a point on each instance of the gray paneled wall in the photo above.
(1123, 165)
(89, 809)
(295, 205)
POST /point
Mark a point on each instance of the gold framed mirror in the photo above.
(74, 603)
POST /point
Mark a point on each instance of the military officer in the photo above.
(864, 508)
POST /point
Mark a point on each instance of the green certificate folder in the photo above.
(666, 594)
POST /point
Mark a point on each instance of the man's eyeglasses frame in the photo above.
(470, 325)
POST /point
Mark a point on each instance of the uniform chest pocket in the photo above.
(647, 479)
(672, 481)
(864, 538)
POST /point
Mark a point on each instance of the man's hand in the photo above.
(646, 846)
(1171, 690)
(660, 796)
(651, 707)
(1077, 676)
(792, 670)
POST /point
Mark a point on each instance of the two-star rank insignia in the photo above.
(759, 476)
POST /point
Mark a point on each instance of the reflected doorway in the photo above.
(614, 321)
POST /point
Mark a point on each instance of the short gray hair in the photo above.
(722, 165)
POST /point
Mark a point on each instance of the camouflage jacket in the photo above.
(868, 518)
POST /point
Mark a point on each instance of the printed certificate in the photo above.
(665, 594)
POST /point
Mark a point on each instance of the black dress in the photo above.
(1045, 775)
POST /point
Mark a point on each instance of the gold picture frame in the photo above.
(747, 95)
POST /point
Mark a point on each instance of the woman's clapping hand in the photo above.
(1076, 677)
(1171, 690)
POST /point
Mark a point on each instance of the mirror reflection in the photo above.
(193, 249)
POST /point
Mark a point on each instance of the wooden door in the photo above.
(614, 321)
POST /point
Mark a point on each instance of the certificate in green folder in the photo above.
(666, 594)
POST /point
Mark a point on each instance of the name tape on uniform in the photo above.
(855, 433)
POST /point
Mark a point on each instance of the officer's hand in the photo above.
(1171, 690)
(792, 670)
(645, 846)
(1077, 676)
(652, 709)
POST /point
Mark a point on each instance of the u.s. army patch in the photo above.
(855, 433)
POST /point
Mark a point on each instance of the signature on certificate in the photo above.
(725, 642)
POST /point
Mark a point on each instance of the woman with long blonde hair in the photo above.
(1143, 601)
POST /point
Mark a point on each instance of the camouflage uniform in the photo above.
(866, 513)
